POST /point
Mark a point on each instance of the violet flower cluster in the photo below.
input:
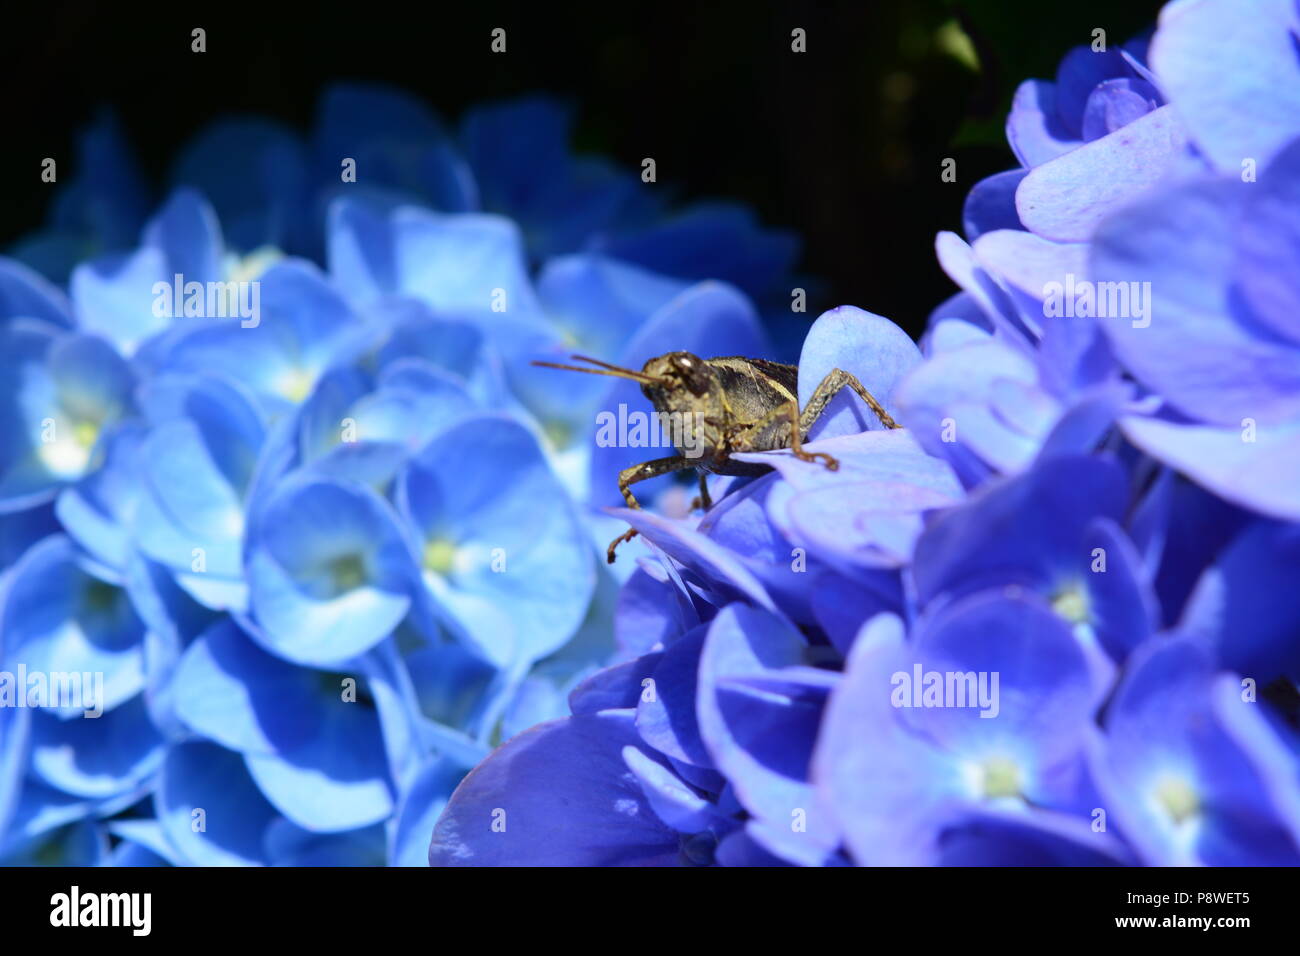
(1054, 619)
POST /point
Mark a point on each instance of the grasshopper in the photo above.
(739, 405)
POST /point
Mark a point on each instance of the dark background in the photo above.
(841, 144)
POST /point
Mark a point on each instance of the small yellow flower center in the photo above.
(1000, 778)
(559, 433)
(1071, 603)
(65, 449)
(296, 384)
(98, 597)
(249, 267)
(1178, 799)
(439, 555)
(347, 573)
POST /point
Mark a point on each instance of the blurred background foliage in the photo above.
(841, 144)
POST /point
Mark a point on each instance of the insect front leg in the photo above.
(641, 472)
(829, 387)
(702, 500)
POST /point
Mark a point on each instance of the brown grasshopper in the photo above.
(738, 405)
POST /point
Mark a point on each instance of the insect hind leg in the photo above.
(829, 388)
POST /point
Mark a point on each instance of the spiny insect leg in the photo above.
(829, 387)
(641, 472)
(627, 535)
(796, 440)
(702, 500)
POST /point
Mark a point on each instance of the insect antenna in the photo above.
(605, 369)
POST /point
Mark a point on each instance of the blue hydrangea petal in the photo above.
(650, 612)
(665, 710)
(619, 687)
(24, 293)
(57, 618)
(253, 170)
(992, 837)
(232, 826)
(19, 530)
(945, 405)
(739, 717)
(333, 779)
(868, 346)
(879, 528)
(537, 127)
(521, 567)
(172, 618)
(564, 796)
(1122, 608)
(845, 603)
(1047, 691)
(712, 241)
(1115, 103)
(1080, 72)
(84, 843)
(114, 296)
(726, 574)
(303, 327)
(422, 802)
(96, 758)
(672, 800)
(143, 844)
(187, 232)
(233, 692)
(454, 263)
(1029, 530)
(64, 392)
(330, 571)
(108, 199)
(1028, 263)
(1192, 772)
(15, 733)
(99, 511)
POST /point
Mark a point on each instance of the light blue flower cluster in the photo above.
(1054, 620)
(291, 533)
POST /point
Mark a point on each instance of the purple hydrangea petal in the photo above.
(991, 204)
(1246, 606)
(1235, 79)
(1035, 130)
(1262, 475)
(1196, 349)
(1067, 198)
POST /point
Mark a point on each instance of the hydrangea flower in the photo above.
(1051, 621)
(272, 188)
(317, 533)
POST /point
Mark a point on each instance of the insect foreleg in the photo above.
(642, 472)
(702, 500)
